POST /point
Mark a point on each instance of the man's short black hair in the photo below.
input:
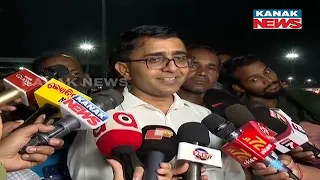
(37, 63)
(202, 46)
(228, 73)
(130, 39)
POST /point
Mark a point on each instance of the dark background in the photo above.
(30, 27)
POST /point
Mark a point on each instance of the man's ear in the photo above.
(123, 70)
(237, 88)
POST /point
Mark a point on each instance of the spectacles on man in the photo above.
(159, 62)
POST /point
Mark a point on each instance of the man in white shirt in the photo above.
(155, 62)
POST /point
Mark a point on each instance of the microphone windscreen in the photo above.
(194, 132)
(218, 100)
(213, 122)
(218, 125)
(121, 129)
(108, 99)
(158, 138)
(239, 115)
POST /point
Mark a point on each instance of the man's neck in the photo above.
(162, 103)
(271, 103)
(191, 97)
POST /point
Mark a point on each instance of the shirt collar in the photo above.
(131, 101)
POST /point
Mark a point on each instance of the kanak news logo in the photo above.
(202, 154)
(277, 19)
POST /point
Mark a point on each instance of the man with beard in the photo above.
(259, 83)
(251, 76)
(203, 73)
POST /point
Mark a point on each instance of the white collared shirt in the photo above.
(85, 162)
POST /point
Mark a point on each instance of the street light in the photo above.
(292, 55)
(87, 47)
(309, 80)
(290, 78)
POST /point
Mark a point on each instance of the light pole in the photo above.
(87, 48)
(292, 57)
(290, 79)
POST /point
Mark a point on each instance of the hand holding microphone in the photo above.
(291, 138)
(269, 173)
(158, 148)
(79, 113)
(10, 146)
(113, 142)
(193, 149)
(248, 144)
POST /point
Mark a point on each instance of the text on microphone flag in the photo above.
(91, 107)
(54, 92)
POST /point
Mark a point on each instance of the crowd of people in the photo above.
(167, 80)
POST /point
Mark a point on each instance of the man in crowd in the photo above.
(155, 62)
(56, 166)
(251, 76)
(203, 73)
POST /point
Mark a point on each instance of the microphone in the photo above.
(248, 144)
(79, 113)
(217, 101)
(159, 145)
(193, 149)
(24, 83)
(54, 92)
(288, 134)
(119, 138)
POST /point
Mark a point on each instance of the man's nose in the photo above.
(202, 71)
(170, 67)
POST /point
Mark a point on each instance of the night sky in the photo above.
(30, 27)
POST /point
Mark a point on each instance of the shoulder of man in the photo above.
(308, 101)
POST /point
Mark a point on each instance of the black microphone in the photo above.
(198, 134)
(159, 145)
(217, 101)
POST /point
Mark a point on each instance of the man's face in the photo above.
(74, 67)
(205, 72)
(162, 82)
(258, 80)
